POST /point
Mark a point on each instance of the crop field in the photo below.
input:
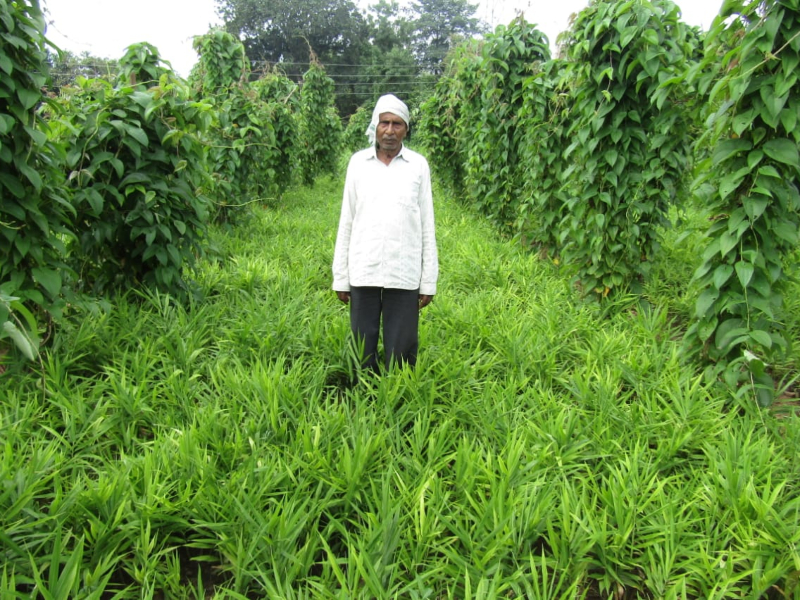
(544, 447)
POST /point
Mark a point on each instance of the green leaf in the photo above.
(744, 271)
(6, 123)
(24, 342)
(5, 64)
(728, 148)
(727, 242)
(706, 328)
(765, 396)
(730, 333)
(721, 275)
(754, 205)
(650, 36)
(762, 338)
(33, 177)
(729, 185)
(28, 98)
(704, 301)
(137, 133)
(12, 184)
(786, 231)
(754, 157)
(627, 35)
(49, 279)
(784, 151)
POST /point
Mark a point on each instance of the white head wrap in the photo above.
(387, 104)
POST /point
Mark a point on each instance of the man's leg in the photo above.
(365, 319)
(400, 325)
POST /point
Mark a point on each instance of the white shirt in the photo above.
(386, 232)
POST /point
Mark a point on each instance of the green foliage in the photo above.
(580, 157)
(750, 185)
(34, 212)
(355, 137)
(136, 170)
(494, 174)
(539, 449)
(441, 123)
(142, 65)
(282, 100)
(544, 189)
(19, 325)
(629, 139)
(244, 146)
(222, 63)
(321, 129)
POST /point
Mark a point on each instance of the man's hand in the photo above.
(343, 296)
(424, 300)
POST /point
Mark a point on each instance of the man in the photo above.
(385, 263)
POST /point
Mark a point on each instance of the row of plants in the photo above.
(583, 157)
(221, 449)
(112, 184)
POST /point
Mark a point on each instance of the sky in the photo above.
(104, 28)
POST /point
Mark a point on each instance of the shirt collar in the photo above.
(374, 153)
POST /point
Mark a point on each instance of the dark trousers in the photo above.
(400, 312)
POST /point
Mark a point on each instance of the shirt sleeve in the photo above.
(341, 272)
(430, 256)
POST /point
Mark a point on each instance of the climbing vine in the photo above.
(628, 138)
(136, 166)
(321, 129)
(281, 97)
(493, 175)
(253, 142)
(354, 134)
(750, 185)
(544, 192)
(441, 121)
(35, 214)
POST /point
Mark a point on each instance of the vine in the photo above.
(354, 137)
(136, 167)
(544, 121)
(242, 138)
(141, 65)
(35, 214)
(441, 121)
(321, 129)
(629, 148)
(509, 57)
(281, 97)
(750, 184)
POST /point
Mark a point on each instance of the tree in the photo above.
(283, 31)
(66, 67)
(392, 66)
(390, 26)
(440, 24)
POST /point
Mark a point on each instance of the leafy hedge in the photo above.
(629, 143)
(321, 129)
(136, 170)
(750, 182)
(583, 156)
(35, 213)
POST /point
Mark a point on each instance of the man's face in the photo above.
(391, 132)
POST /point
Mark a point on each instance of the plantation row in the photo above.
(543, 448)
(584, 156)
(112, 184)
